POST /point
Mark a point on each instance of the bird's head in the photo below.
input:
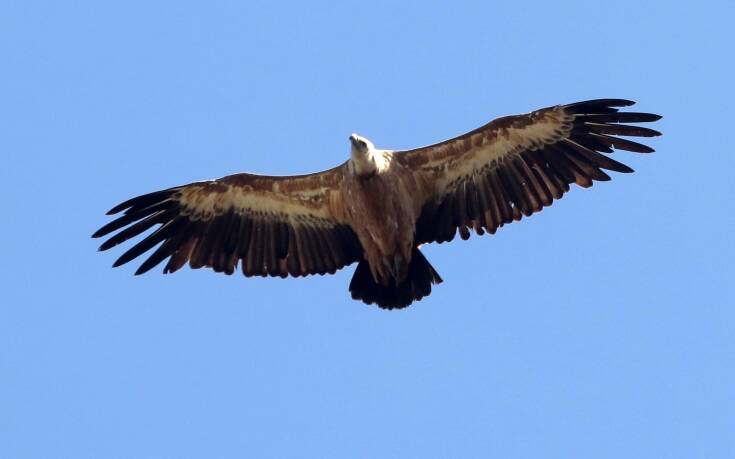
(360, 144)
(361, 152)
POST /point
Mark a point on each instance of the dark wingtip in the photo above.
(106, 245)
(127, 204)
(604, 102)
(124, 258)
(120, 207)
(618, 102)
(107, 229)
(143, 200)
(636, 117)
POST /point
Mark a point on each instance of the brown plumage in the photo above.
(380, 205)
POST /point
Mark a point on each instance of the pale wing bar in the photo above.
(525, 180)
(277, 240)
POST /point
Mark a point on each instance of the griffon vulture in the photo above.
(379, 206)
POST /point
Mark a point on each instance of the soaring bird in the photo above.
(380, 206)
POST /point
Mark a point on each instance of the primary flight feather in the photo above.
(380, 205)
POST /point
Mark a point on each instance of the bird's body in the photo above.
(380, 205)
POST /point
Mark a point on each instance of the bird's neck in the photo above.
(364, 164)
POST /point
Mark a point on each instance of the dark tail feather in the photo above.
(421, 275)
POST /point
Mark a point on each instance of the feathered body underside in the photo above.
(378, 216)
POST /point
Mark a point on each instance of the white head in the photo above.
(362, 155)
(360, 145)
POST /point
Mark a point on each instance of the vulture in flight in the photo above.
(377, 208)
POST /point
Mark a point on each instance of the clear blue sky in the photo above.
(602, 327)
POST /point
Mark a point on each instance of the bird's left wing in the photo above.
(516, 165)
(273, 226)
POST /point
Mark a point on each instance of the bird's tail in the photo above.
(417, 284)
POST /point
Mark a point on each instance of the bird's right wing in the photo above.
(517, 165)
(273, 226)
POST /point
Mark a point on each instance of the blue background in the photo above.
(602, 327)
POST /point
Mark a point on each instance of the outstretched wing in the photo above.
(517, 165)
(272, 226)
